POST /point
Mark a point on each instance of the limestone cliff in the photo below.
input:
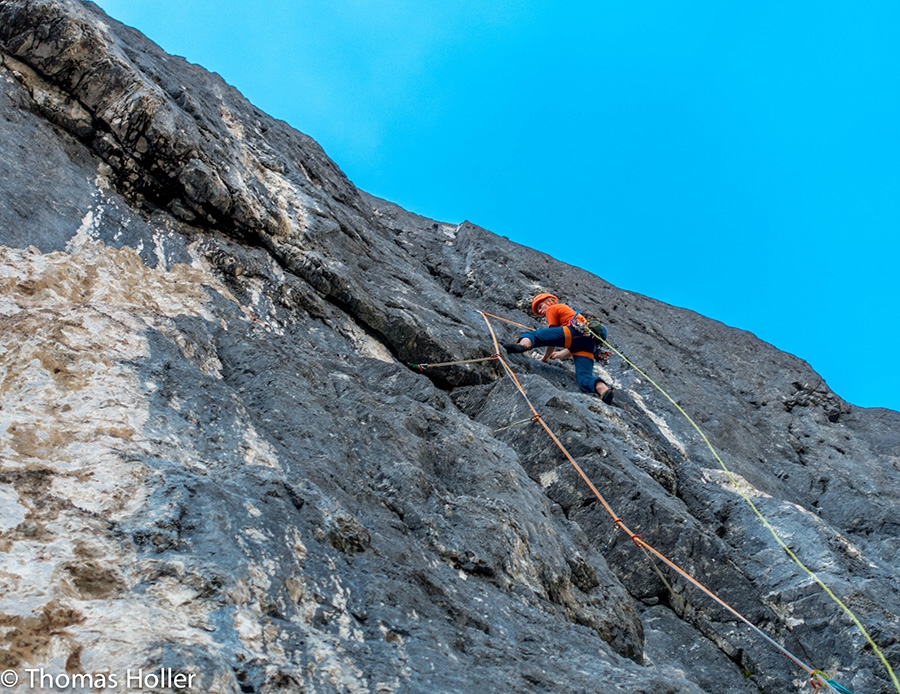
(215, 458)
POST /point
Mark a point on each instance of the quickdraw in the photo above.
(422, 367)
(820, 680)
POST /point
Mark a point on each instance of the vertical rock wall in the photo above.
(215, 459)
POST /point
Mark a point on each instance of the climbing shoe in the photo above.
(515, 348)
(607, 397)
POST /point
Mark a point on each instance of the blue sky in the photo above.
(738, 159)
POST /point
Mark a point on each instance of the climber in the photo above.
(561, 332)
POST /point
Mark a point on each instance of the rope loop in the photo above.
(536, 417)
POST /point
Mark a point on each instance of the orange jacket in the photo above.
(562, 316)
(559, 315)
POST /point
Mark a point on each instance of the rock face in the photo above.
(215, 458)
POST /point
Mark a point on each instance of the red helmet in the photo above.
(538, 299)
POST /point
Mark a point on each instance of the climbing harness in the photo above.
(588, 325)
(593, 327)
(818, 679)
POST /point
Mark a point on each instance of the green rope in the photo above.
(768, 526)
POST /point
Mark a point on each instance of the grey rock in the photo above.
(215, 457)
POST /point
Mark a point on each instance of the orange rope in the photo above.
(540, 420)
(619, 523)
(506, 320)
